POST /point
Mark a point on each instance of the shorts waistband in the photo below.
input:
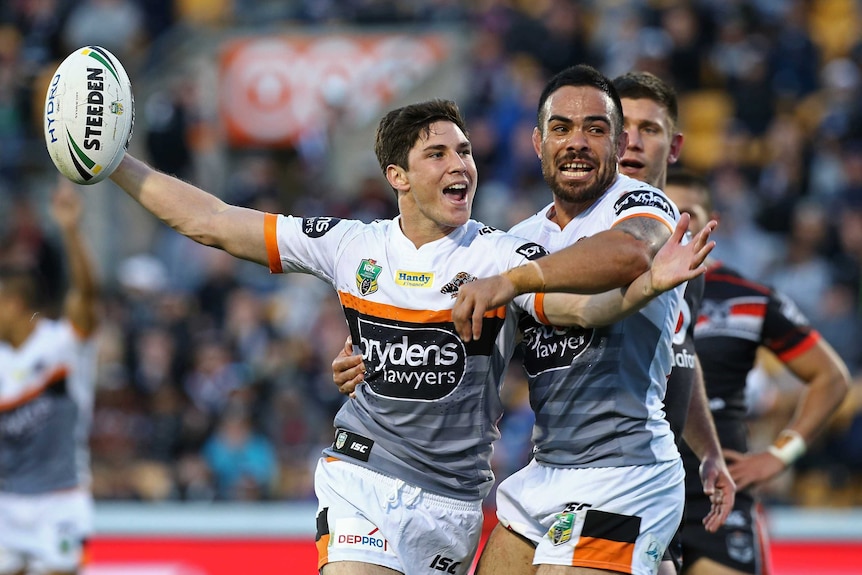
(388, 481)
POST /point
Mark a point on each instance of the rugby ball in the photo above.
(89, 115)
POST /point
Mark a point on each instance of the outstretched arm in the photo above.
(193, 212)
(81, 299)
(674, 264)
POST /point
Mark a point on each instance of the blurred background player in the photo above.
(47, 378)
(737, 317)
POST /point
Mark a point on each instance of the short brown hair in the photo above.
(399, 129)
(648, 86)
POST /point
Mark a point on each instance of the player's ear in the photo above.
(397, 177)
(675, 148)
(537, 142)
(622, 144)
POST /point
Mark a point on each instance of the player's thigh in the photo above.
(356, 568)
(506, 552)
(704, 566)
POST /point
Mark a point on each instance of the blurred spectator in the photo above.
(242, 461)
(117, 25)
(214, 375)
(803, 273)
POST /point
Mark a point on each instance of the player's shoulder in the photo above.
(627, 194)
(501, 241)
(535, 222)
(316, 227)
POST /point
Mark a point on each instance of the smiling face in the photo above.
(578, 145)
(653, 142)
(436, 189)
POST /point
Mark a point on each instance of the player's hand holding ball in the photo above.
(89, 115)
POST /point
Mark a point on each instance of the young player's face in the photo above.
(441, 177)
(689, 200)
(652, 144)
(577, 144)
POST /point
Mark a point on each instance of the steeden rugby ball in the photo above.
(89, 115)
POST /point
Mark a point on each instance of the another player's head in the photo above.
(20, 298)
(651, 117)
(579, 134)
(427, 158)
(690, 192)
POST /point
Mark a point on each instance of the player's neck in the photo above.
(21, 329)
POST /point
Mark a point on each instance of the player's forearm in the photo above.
(596, 264)
(599, 309)
(699, 432)
(82, 271)
(827, 383)
(182, 206)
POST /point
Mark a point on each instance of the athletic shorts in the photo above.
(673, 553)
(616, 518)
(45, 531)
(741, 543)
(365, 516)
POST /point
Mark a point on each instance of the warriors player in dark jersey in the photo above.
(737, 317)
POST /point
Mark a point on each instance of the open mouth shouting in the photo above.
(576, 169)
(456, 192)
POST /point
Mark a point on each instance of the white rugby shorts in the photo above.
(616, 518)
(365, 516)
(48, 530)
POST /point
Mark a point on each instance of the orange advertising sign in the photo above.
(275, 90)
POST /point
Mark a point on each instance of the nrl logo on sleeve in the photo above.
(643, 199)
(316, 227)
(532, 251)
(460, 279)
(366, 276)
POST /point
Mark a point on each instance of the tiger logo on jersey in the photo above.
(460, 279)
(366, 276)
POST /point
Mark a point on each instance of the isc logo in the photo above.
(445, 564)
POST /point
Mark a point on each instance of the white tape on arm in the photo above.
(788, 447)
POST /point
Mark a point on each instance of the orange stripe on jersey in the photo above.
(322, 551)
(603, 554)
(645, 216)
(540, 308)
(57, 375)
(386, 311)
(271, 241)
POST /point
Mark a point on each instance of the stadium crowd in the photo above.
(215, 379)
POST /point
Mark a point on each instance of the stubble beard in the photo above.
(579, 193)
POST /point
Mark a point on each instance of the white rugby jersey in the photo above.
(428, 411)
(598, 393)
(46, 407)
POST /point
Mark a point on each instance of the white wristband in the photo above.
(788, 447)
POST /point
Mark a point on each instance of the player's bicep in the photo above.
(242, 233)
(653, 232)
